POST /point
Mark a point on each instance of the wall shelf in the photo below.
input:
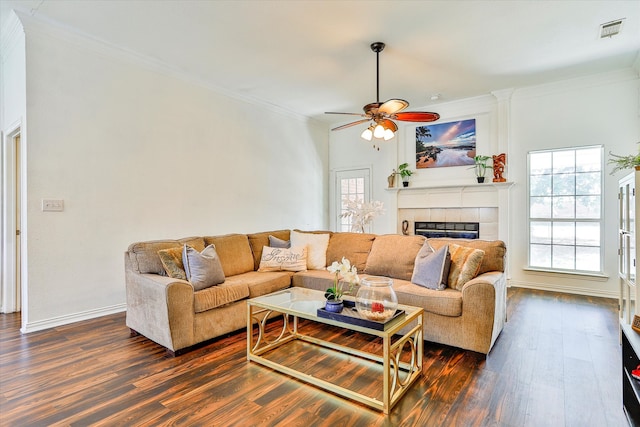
(486, 185)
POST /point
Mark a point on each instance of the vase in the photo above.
(334, 306)
(480, 179)
(376, 299)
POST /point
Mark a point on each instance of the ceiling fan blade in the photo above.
(416, 116)
(348, 114)
(388, 124)
(348, 125)
(392, 106)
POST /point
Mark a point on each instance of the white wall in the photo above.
(12, 81)
(601, 109)
(139, 154)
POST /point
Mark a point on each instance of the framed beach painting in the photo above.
(446, 144)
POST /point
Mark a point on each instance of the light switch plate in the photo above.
(52, 205)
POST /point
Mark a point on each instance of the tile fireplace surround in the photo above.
(487, 204)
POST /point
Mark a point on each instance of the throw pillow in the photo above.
(274, 242)
(316, 245)
(172, 262)
(287, 259)
(431, 268)
(465, 264)
(204, 269)
(393, 255)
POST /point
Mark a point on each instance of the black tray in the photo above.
(350, 315)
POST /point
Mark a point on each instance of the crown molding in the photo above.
(40, 27)
(578, 83)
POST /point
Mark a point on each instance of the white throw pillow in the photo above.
(283, 259)
(316, 245)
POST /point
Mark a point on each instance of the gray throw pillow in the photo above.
(431, 269)
(203, 269)
(274, 242)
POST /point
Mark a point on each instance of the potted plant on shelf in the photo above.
(334, 294)
(624, 162)
(405, 173)
(481, 166)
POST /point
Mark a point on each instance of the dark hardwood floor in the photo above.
(556, 363)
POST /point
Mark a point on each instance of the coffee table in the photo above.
(398, 372)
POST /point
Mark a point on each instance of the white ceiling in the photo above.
(309, 57)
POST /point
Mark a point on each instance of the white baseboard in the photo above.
(72, 318)
(566, 289)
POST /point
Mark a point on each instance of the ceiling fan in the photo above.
(382, 114)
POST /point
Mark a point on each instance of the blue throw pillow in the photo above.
(431, 269)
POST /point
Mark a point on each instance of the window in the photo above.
(565, 209)
(350, 185)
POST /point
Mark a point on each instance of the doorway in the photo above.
(11, 289)
(350, 184)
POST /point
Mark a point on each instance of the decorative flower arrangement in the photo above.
(362, 213)
(348, 273)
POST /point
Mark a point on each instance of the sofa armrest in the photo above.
(484, 304)
(160, 308)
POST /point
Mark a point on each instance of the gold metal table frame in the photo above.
(295, 303)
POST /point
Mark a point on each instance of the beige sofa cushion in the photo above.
(234, 252)
(447, 302)
(259, 240)
(393, 255)
(262, 283)
(320, 280)
(217, 296)
(494, 251)
(353, 246)
(145, 254)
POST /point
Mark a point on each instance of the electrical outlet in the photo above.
(52, 205)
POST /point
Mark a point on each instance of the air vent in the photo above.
(610, 29)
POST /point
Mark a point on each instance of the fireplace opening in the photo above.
(455, 230)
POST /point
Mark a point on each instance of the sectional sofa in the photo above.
(169, 311)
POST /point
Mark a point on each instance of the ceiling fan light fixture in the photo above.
(388, 134)
(367, 134)
(378, 132)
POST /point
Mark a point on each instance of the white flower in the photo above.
(348, 273)
(361, 213)
(335, 267)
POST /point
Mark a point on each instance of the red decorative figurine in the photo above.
(498, 168)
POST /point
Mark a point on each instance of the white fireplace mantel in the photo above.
(452, 196)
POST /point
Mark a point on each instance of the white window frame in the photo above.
(600, 220)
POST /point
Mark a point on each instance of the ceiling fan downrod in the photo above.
(377, 47)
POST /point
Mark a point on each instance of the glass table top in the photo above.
(297, 300)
